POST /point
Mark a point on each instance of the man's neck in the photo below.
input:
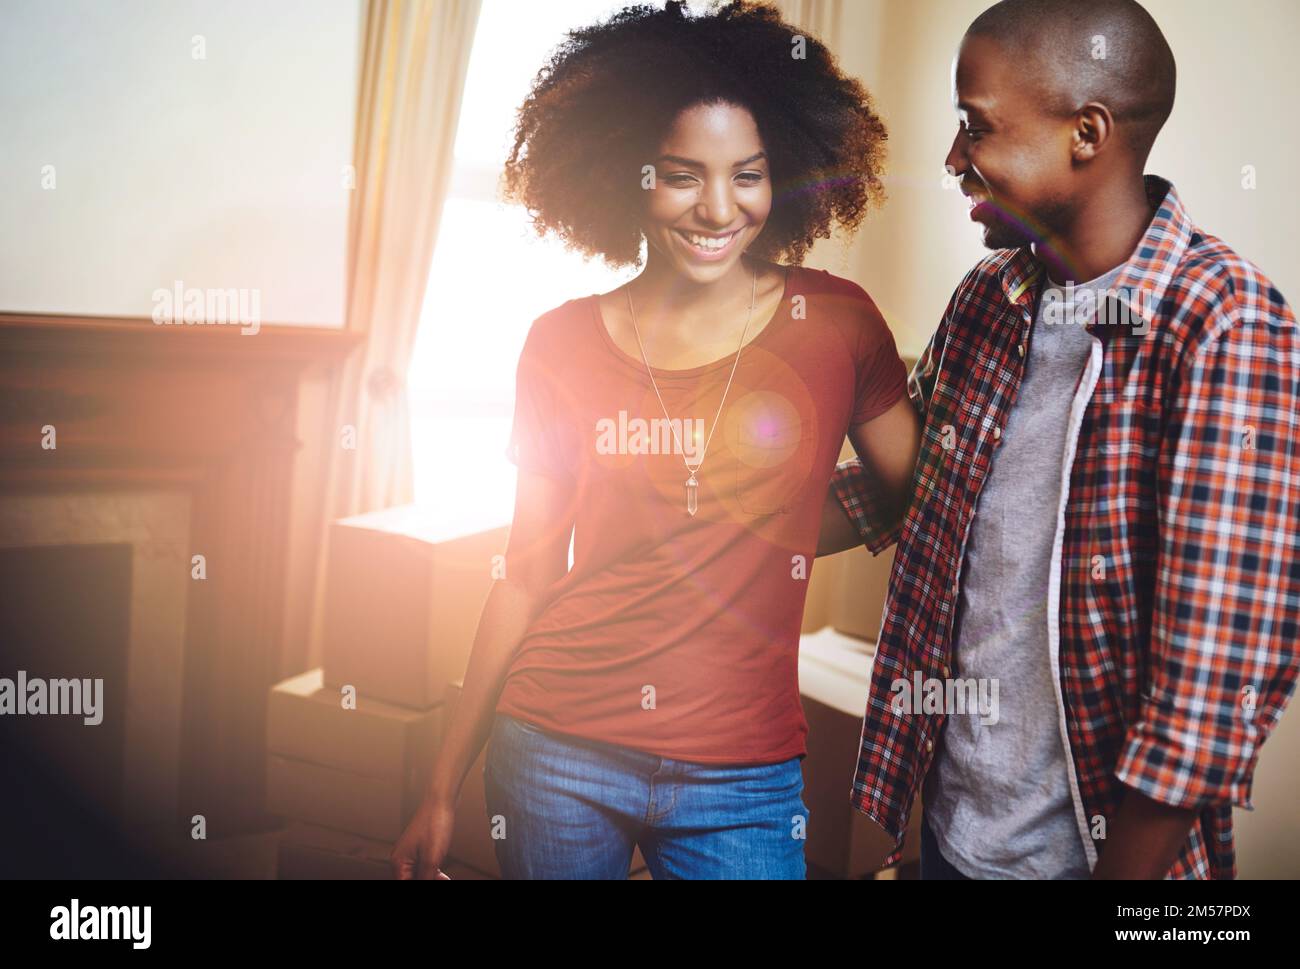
(1104, 235)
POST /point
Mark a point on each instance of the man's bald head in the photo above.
(1109, 51)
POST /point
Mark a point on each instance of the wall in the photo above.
(222, 172)
(1237, 78)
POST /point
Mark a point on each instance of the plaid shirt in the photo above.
(1175, 582)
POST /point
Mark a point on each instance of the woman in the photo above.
(683, 428)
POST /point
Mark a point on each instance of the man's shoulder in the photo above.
(981, 298)
(982, 283)
(992, 266)
(1241, 287)
(1214, 290)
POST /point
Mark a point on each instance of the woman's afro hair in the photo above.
(599, 110)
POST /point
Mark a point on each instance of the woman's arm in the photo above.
(537, 556)
(838, 533)
(887, 445)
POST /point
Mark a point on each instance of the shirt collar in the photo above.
(1141, 284)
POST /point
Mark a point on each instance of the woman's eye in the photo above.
(679, 180)
(751, 178)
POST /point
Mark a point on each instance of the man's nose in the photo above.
(955, 163)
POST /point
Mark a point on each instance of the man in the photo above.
(1104, 521)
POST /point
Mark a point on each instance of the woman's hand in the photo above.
(422, 848)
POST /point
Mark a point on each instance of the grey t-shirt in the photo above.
(997, 794)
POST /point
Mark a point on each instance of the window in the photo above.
(462, 374)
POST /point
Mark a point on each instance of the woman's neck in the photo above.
(669, 293)
(693, 324)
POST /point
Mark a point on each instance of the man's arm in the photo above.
(1222, 657)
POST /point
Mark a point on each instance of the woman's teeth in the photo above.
(708, 243)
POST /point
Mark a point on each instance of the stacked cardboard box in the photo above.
(404, 593)
(858, 592)
(351, 774)
(834, 678)
(404, 596)
(308, 851)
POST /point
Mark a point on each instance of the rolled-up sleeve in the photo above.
(858, 493)
(1222, 658)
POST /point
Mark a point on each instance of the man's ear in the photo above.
(1094, 127)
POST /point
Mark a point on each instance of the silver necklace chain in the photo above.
(748, 319)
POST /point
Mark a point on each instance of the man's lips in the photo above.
(978, 205)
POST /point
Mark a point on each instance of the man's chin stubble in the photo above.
(1000, 237)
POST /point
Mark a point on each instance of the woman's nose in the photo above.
(718, 207)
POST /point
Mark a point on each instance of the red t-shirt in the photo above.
(672, 634)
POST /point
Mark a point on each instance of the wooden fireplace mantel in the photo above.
(59, 333)
(212, 412)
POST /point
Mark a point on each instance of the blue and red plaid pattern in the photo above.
(1178, 592)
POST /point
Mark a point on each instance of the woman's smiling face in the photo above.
(712, 191)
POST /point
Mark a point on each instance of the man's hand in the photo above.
(1144, 839)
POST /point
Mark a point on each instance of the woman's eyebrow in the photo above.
(692, 163)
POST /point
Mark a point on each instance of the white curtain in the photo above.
(414, 57)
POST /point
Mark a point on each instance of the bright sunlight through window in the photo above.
(491, 276)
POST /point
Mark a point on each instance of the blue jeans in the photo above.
(565, 807)
(933, 864)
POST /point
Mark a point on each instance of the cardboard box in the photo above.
(457, 871)
(306, 720)
(308, 851)
(834, 678)
(403, 597)
(858, 600)
(370, 806)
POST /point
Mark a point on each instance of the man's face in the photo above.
(1012, 158)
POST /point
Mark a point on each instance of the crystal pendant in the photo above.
(692, 495)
